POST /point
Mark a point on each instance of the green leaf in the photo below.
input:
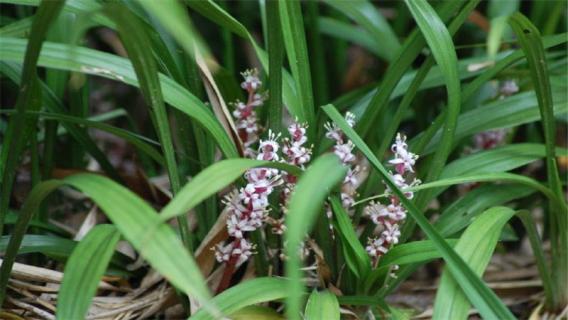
(403, 254)
(213, 179)
(509, 112)
(498, 28)
(84, 270)
(305, 205)
(12, 218)
(174, 18)
(440, 43)
(275, 61)
(136, 42)
(217, 15)
(531, 43)
(30, 206)
(410, 49)
(494, 177)
(54, 104)
(256, 313)
(500, 159)
(412, 252)
(65, 57)
(297, 51)
(245, 294)
(355, 254)
(479, 294)
(476, 247)
(538, 252)
(53, 246)
(349, 32)
(49, 245)
(365, 14)
(136, 220)
(322, 305)
(142, 143)
(497, 160)
(20, 128)
(464, 210)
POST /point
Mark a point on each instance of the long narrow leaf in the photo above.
(478, 293)
(305, 205)
(213, 179)
(440, 42)
(297, 51)
(136, 220)
(246, 294)
(98, 63)
(476, 247)
(322, 305)
(29, 98)
(84, 270)
(137, 42)
(531, 43)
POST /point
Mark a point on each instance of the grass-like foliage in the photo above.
(283, 159)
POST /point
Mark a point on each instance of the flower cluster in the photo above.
(343, 148)
(493, 138)
(489, 139)
(389, 217)
(246, 120)
(296, 154)
(248, 208)
(508, 88)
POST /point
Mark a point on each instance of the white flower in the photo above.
(252, 82)
(268, 149)
(223, 252)
(344, 152)
(404, 159)
(508, 88)
(490, 139)
(396, 212)
(298, 133)
(376, 247)
(243, 251)
(377, 212)
(240, 250)
(350, 119)
(236, 226)
(391, 233)
(351, 176)
(347, 200)
(333, 132)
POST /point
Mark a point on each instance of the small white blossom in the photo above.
(344, 152)
(252, 82)
(350, 119)
(268, 149)
(391, 233)
(490, 139)
(404, 159)
(376, 247)
(389, 217)
(508, 88)
(333, 132)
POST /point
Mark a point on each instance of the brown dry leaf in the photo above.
(26, 272)
(89, 223)
(323, 269)
(217, 102)
(204, 255)
(479, 20)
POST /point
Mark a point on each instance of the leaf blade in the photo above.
(84, 270)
